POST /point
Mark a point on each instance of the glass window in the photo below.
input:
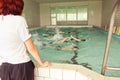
(53, 16)
(68, 14)
(61, 14)
(53, 12)
(82, 13)
(53, 21)
(71, 14)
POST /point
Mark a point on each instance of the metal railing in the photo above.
(106, 53)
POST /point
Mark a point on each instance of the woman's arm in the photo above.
(34, 52)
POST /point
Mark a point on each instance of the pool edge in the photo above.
(76, 71)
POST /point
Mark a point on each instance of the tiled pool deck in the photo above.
(68, 72)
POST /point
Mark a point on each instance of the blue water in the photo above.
(89, 52)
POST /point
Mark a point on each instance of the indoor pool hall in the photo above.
(81, 38)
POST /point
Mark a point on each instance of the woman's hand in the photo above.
(31, 48)
(45, 64)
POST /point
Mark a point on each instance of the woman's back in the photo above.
(13, 33)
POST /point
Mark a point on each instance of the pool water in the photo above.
(82, 46)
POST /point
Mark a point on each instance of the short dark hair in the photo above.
(14, 7)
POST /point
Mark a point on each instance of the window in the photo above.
(68, 14)
(61, 14)
(82, 13)
(71, 14)
(53, 20)
(53, 16)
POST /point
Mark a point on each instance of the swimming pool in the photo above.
(82, 46)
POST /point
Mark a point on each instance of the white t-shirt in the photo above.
(13, 34)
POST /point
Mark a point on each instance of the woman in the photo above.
(15, 41)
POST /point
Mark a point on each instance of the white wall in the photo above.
(31, 13)
(94, 17)
(107, 11)
(44, 14)
(95, 13)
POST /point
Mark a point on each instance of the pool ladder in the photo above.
(104, 65)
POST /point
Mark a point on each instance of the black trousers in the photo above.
(22, 71)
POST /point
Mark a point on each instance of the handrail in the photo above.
(106, 53)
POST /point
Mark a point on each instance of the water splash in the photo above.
(38, 42)
(57, 36)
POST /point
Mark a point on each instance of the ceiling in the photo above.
(54, 1)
